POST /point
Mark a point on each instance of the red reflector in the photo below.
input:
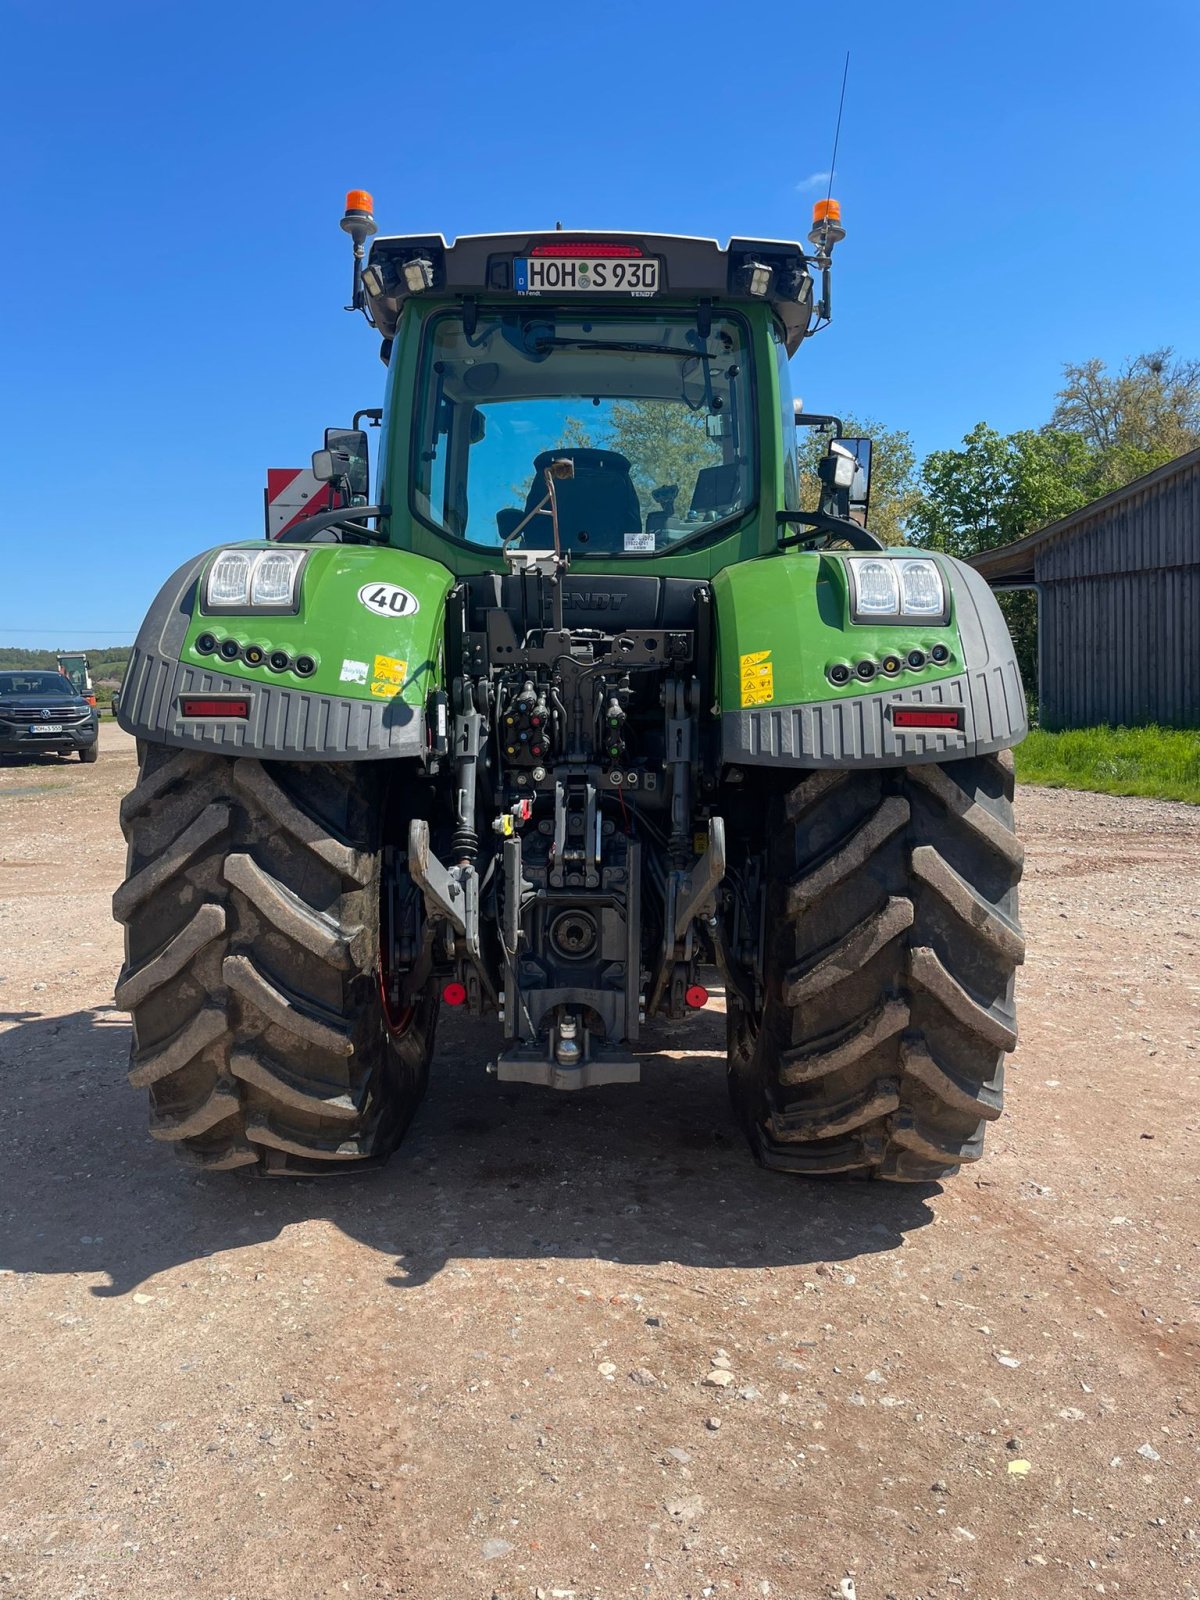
(696, 996)
(591, 252)
(454, 994)
(214, 708)
(910, 717)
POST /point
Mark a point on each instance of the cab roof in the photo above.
(483, 264)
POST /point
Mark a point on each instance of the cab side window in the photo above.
(787, 421)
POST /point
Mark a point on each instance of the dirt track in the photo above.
(480, 1371)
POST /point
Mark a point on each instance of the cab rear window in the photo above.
(654, 416)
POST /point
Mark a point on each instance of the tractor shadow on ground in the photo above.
(638, 1174)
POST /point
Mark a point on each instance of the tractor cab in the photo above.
(649, 370)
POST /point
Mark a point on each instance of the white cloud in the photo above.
(813, 181)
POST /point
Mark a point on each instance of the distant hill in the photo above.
(108, 662)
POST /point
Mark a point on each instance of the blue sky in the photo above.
(1018, 184)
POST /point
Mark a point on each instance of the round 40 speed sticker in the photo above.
(388, 600)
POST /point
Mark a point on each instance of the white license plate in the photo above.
(45, 727)
(550, 275)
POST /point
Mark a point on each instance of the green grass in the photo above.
(1163, 763)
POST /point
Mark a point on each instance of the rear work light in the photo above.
(915, 717)
(755, 278)
(591, 252)
(895, 588)
(254, 580)
(418, 274)
(194, 706)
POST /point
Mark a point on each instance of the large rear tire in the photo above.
(892, 945)
(252, 964)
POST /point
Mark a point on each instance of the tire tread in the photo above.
(251, 917)
(893, 941)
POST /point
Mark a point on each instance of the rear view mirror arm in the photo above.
(817, 419)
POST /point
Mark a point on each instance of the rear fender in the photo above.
(784, 621)
(371, 621)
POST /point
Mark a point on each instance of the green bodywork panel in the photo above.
(359, 654)
(782, 621)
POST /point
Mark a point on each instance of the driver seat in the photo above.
(597, 507)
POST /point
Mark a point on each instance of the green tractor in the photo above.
(580, 712)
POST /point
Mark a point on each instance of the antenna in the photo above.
(827, 220)
(837, 132)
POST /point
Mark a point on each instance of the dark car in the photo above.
(40, 712)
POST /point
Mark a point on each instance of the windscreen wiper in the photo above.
(619, 344)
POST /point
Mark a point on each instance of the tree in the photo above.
(995, 489)
(1106, 430)
(1133, 420)
(998, 487)
(894, 493)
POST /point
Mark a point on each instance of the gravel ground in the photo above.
(496, 1368)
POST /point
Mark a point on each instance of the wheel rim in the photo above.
(399, 1022)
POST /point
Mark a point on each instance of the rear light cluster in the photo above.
(208, 705)
(889, 665)
(927, 717)
(587, 250)
(255, 655)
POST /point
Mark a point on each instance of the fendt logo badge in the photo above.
(594, 601)
(388, 600)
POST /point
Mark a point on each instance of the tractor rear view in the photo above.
(579, 715)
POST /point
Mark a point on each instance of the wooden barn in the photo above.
(1118, 586)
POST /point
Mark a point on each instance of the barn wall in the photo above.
(1123, 648)
(1120, 611)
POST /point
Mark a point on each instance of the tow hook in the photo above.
(567, 1051)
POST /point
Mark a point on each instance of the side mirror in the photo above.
(841, 466)
(845, 474)
(860, 477)
(344, 463)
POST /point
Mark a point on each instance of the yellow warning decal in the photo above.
(758, 678)
(385, 691)
(389, 669)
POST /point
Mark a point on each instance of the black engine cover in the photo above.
(607, 601)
